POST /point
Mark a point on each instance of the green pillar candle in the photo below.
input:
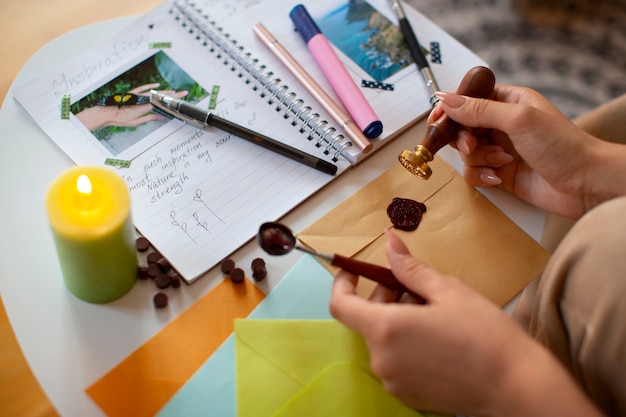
(89, 213)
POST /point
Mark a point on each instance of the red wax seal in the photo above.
(405, 214)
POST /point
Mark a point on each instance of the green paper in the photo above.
(295, 367)
(346, 390)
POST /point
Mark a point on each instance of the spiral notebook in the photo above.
(198, 195)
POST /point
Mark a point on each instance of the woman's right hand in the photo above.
(517, 140)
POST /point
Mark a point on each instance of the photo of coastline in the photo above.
(368, 38)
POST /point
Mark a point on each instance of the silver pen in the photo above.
(416, 51)
(173, 107)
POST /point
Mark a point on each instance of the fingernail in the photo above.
(437, 112)
(489, 178)
(451, 99)
(498, 158)
(395, 243)
(463, 147)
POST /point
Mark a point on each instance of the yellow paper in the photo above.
(461, 234)
(346, 390)
(307, 368)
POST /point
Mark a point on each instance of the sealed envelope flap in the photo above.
(461, 234)
(275, 359)
(307, 368)
(362, 218)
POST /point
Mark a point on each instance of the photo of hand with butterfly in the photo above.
(119, 115)
(128, 109)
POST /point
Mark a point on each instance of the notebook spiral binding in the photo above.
(262, 80)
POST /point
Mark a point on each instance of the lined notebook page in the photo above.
(198, 195)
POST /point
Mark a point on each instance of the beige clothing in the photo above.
(578, 307)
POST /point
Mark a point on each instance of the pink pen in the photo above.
(335, 111)
(334, 70)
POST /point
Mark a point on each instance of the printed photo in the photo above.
(119, 114)
(368, 38)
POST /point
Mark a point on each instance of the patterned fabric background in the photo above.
(574, 52)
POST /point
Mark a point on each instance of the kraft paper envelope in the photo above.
(461, 234)
(307, 368)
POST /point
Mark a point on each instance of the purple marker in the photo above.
(332, 67)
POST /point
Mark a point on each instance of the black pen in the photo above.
(171, 106)
(416, 51)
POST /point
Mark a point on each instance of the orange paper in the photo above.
(143, 382)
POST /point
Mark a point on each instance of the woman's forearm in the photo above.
(606, 176)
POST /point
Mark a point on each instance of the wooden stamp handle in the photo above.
(479, 83)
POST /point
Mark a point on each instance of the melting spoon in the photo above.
(277, 239)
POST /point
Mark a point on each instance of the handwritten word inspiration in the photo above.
(118, 53)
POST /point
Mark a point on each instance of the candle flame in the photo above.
(83, 184)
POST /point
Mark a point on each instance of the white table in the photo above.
(69, 343)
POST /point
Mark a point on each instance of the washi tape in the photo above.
(435, 53)
(376, 84)
(213, 99)
(120, 163)
(160, 45)
(65, 106)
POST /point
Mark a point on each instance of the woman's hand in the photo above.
(457, 353)
(97, 117)
(520, 142)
